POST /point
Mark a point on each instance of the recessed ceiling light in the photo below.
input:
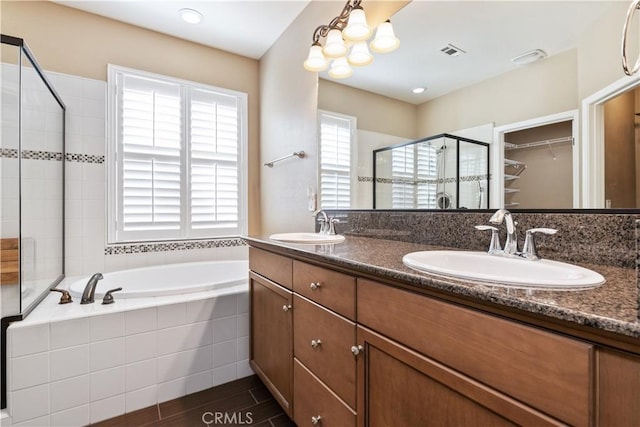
(418, 90)
(190, 16)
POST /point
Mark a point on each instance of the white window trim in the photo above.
(111, 156)
(354, 143)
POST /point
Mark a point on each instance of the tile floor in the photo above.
(245, 402)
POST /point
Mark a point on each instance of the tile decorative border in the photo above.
(410, 181)
(138, 248)
(83, 158)
(12, 153)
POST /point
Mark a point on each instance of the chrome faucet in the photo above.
(511, 244)
(90, 290)
(324, 221)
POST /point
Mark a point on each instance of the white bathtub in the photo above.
(170, 279)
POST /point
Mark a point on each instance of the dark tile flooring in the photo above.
(244, 402)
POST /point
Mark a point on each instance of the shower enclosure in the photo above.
(439, 172)
(31, 186)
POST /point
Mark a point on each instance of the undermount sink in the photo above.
(312, 238)
(504, 271)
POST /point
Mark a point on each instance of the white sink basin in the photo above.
(316, 238)
(504, 271)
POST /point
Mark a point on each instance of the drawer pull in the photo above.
(316, 420)
(314, 286)
(357, 349)
(286, 307)
(316, 343)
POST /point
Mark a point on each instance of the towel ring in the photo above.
(635, 5)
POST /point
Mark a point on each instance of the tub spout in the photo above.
(90, 290)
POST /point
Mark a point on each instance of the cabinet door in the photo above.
(399, 387)
(272, 338)
(618, 389)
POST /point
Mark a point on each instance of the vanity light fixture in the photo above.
(345, 42)
(529, 57)
(190, 16)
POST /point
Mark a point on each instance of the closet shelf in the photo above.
(511, 204)
(511, 190)
(509, 162)
(508, 177)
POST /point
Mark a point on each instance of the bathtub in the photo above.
(170, 279)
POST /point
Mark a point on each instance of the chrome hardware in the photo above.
(108, 298)
(323, 220)
(90, 290)
(65, 298)
(314, 286)
(511, 244)
(635, 5)
(316, 343)
(316, 420)
(529, 250)
(357, 349)
(494, 246)
(332, 226)
(286, 307)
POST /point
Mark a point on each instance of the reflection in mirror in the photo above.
(439, 172)
(582, 42)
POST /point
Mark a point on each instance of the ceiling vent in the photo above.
(452, 50)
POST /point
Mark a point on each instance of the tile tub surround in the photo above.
(612, 307)
(79, 364)
(603, 238)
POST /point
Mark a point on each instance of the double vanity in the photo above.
(347, 334)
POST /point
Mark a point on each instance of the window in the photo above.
(336, 139)
(175, 159)
(414, 171)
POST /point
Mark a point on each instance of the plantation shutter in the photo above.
(402, 172)
(335, 161)
(150, 149)
(427, 175)
(214, 160)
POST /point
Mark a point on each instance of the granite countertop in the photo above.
(612, 307)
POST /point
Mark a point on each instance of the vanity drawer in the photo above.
(322, 341)
(546, 371)
(275, 267)
(334, 290)
(314, 399)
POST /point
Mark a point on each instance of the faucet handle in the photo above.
(108, 298)
(332, 226)
(529, 250)
(65, 298)
(494, 246)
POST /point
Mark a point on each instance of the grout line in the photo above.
(159, 413)
(254, 397)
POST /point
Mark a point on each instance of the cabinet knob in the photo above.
(316, 343)
(316, 420)
(286, 307)
(314, 286)
(357, 349)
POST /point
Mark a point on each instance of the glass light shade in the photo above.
(340, 68)
(334, 46)
(357, 29)
(316, 60)
(385, 40)
(360, 55)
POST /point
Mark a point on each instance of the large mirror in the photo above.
(530, 113)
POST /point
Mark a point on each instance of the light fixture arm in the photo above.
(339, 22)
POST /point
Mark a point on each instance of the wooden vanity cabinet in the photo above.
(271, 342)
(618, 396)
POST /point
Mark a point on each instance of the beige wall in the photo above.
(375, 112)
(539, 89)
(70, 41)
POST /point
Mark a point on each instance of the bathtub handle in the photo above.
(108, 298)
(286, 307)
(65, 298)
